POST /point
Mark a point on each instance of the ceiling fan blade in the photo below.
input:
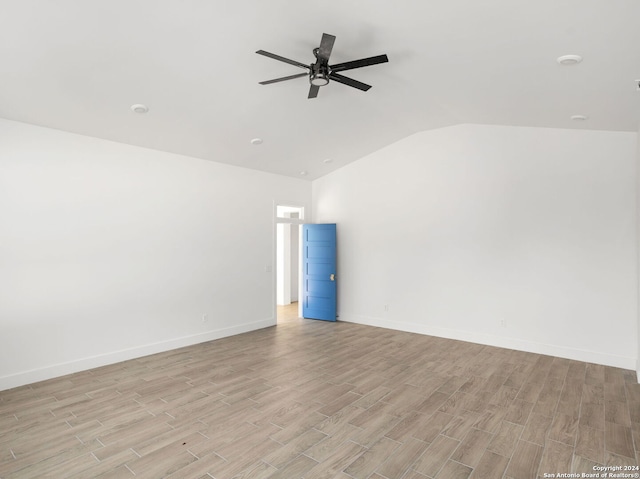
(326, 45)
(313, 91)
(349, 81)
(364, 62)
(283, 59)
(290, 77)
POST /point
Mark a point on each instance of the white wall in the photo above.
(463, 228)
(109, 251)
(283, 261)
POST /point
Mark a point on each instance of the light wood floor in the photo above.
(324, 400)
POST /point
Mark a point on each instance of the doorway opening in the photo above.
(288, 254)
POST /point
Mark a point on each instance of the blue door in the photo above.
(319, 271)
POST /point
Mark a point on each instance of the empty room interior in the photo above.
(480, 163)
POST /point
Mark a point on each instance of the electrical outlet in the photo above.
(205, 318)
(386, 307)
(503, 323)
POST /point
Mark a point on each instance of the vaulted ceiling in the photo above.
(79, 65)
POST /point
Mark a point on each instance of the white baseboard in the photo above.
(62, 369)
(500, 341)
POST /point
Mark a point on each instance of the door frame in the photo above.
(274, 259)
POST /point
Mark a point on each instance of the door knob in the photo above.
(332, 277)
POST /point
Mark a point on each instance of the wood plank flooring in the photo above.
(310, 399)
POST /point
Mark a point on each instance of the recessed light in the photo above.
(579, 117)
(303, 173)
(568, 60)
(256, 141)
(139, 108)
(328, 160)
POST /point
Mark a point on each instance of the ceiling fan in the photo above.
(320, 72)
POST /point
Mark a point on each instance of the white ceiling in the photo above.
(78, 65)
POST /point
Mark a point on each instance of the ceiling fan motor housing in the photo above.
(319, 74)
